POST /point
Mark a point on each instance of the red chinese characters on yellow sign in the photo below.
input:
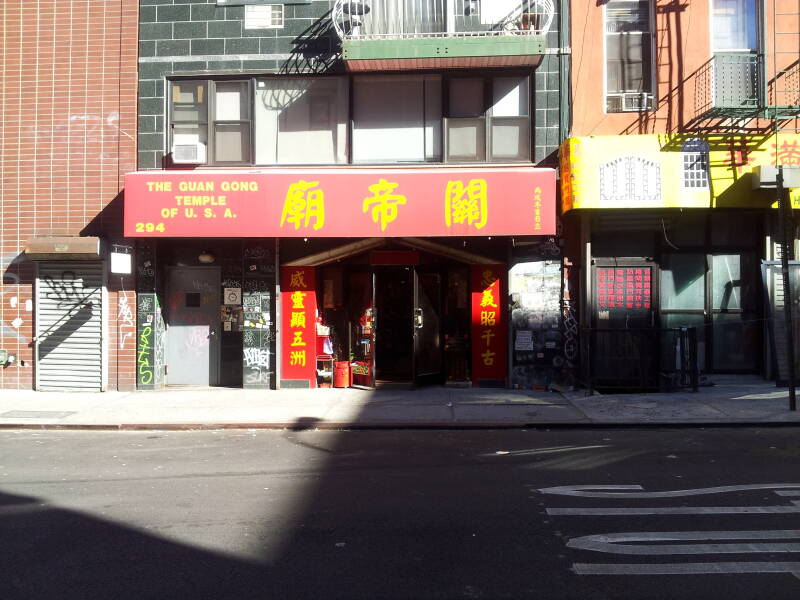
(489, 352)
(298, 309)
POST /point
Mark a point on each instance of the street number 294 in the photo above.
(149, 227)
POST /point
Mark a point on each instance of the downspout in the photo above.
(564, 60)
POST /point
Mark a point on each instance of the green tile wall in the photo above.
(196, 36)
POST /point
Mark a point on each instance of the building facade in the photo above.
(67, 138)
(348, 193)
(678, 126)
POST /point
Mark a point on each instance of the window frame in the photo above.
(487, 77)
(210, 122)
(759, 41)
(652, 104)
(695, 165)
(487, 116)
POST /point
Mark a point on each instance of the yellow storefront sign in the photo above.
(672, 171)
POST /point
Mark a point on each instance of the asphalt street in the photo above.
(560, 513)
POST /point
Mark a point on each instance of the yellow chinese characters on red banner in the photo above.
(345, 203)
(298, 314)
(489, 323)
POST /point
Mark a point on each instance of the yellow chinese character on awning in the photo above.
(466, 203)
(302, 204)
(383, 202)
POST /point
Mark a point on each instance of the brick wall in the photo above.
(67, 135)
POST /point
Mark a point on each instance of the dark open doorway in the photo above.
(394, 334)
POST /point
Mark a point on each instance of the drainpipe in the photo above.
(564, 83)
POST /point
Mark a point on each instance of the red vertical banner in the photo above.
(489, 323)
(298, 324)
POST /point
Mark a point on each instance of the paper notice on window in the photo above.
(524, 340)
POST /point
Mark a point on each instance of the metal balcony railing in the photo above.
(399, 19)
(732, 84)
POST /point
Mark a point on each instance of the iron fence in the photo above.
(645, 359)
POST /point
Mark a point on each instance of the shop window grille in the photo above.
(695, 164)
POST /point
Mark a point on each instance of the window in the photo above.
(301, 121)
(734, 24)
(231, 141)
(397, 118)
(189, 121)
(225, 139)
(332, 120)
(695, 164)
(488, 117)
(737, 66)
(263, 17)
(629, 56)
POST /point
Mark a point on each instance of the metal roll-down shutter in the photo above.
(69, 326)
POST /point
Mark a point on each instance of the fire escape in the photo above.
(424, 34)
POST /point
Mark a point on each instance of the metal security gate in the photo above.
(69, 326)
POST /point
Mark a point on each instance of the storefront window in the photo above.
(683, 281)
(733, 281)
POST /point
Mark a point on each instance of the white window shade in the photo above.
(396, 119)
(301, 121)
(510, 97)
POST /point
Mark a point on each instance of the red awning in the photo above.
(341, 203)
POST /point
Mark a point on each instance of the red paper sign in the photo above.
(489, 346)
(341, 203)
(627, 288)
(298, 325)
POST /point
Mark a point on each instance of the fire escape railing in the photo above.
(402, 19)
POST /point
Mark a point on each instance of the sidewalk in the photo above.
(732, 400)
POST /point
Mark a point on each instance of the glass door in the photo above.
(683, 298)
(361, 301)
(735, 325)
(427, 327)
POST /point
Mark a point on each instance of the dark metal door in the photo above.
(623, 342)
(427, 327)
(193, 326)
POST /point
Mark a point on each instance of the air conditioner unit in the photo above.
(629, 102)
(189, 154)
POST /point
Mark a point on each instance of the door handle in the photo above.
(418, 318)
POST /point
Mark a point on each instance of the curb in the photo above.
(386, 425)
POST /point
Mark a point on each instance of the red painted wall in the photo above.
(681, 38)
